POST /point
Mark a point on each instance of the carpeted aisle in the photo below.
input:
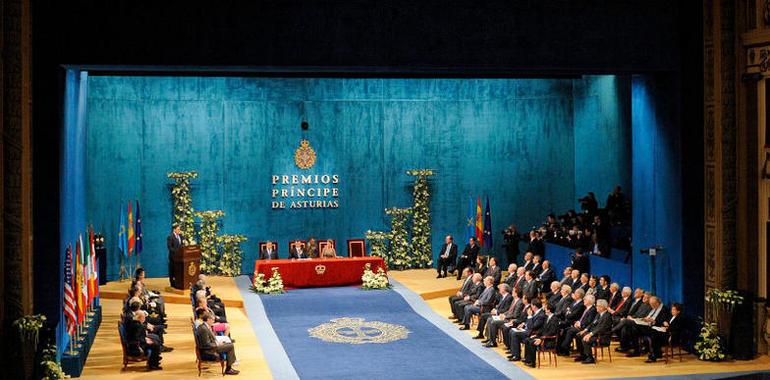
(427, 351)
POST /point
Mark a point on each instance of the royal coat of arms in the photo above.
(358, 331)
(304, 156)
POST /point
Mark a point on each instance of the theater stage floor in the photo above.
(105, 357)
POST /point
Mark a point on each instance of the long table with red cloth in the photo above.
(308, 273)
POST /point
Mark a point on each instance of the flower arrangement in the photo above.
(399, 256)
(29, 327)
(208, 240)
(272, 286)
(183, 210)
(378, 241)
(725, 300)
(50, 368)
(371, 280)
(232, 254)
(709, 344)
(421, 227)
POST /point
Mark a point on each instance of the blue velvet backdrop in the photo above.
(528, 144)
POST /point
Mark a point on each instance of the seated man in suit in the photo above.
(639, 309)
(537, 265)
(532, 327)
(510, 279)
(494, 271)
(655, 317)
(268, 252)
(621, 307)
(575, 282)
(553, 296)
(560, 309)
(447, 256)
(546, 275)
(520, 280)
(502, 305)
(464, 290)
(468, 257)
(603, 291)
(671, 329)
(517, 323)
(503, 317)
(528, 263)
(588, 315)
(213, 301)
(615, 295)
(567, 276)
(590, 336)
(138, 343)
(298, 252)
(151, 297)
(458, 307)
(530, 288)
(210, 348)
(550, 329)
(485, 302)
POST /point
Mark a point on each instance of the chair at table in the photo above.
(356, 248)
(221, 359)
(126, 357)
(542, 349)
(322, 245)
(263, 246)
(294, 243)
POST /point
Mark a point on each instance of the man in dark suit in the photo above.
(672, 329)
(269, 252)
(621, 308)
(639, 309)
(528, 261)
(553, 295)
(546, 276)
(298, 252)
(447, 256)
(510, 279)
(567, 279)
(590, 336)
(511, 314)
(655, 317)
(464, 290)
(493, 270)
(615, 295)
(468, 257)
(520, 280)
(560, 308)
(537, 265)
(575, 280)
(550, 329)
(485, 302)
(174, 243)
(536, 245)
(580, 262)
(138, 343)
(210, 349)
(458, 307)
(585, 319)
(530, 287)
(532, 326)
(502, 305)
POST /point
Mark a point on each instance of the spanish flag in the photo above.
(79, 282)
(479, 223)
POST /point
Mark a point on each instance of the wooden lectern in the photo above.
(186, 264)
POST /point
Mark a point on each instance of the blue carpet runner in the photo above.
(429, 350)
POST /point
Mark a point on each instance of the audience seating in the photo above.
(199, 360)
(356, 248)
(541, 349)
(604, 341)
(126, 357)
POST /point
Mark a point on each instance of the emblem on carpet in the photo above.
(358, 331)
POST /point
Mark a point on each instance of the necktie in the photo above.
(620, 304)
(583, 316)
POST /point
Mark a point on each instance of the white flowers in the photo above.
(272, 286)
(371, 280)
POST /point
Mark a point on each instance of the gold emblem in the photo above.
(304, 156)
(191, 269)
(320, 269)
(357, 331)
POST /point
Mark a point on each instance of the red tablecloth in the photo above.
(319, 272)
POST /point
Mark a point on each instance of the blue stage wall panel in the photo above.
(510, 139)
(657, 206)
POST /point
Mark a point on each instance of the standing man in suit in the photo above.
(298, 252)
(598, 329)
(468, 257)
(536, 245)
(550, 329)
(532, 326)
(447, 256)
(511, 237)
(174, 242)
(269, 252)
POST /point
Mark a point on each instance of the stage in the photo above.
(427, 293)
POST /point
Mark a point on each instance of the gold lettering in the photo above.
(275, 179)
(336, 179)
(285, 179)
(275, 193)
(335, 192)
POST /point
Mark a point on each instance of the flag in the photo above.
(70, 313)
(470, 225)
(92, 284)
(479, 223)
(122, 242)
(138, 231)
(84, 269)
(78, 283)
(130, 225)
(488, 228)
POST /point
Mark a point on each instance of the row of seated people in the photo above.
(144, 320)
(298, 250)
(211, 330)
(588, 315)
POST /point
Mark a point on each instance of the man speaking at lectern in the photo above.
(174, 243)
